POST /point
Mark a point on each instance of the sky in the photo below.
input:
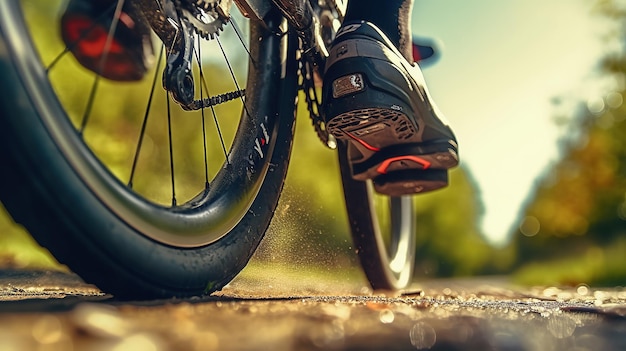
(501, 64)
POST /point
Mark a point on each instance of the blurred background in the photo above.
(534, 91)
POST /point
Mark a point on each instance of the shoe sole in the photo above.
(386, 140)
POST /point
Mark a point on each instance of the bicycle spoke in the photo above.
(108, 22)
(145, 119)
(232, 74)
(217, 125)
(203, 85)
(204, 138)
(105, 54)
(90, 101)
(242, 41)
(171, 149)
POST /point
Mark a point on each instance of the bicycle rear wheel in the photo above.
(383, 230)
(123, 235)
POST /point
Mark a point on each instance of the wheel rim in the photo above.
(198, 221)
(394, 228)
(383, 230)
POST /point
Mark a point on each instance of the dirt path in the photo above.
(56, 311)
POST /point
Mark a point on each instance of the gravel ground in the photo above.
(57, 311)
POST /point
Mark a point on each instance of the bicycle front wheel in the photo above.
(383, 230)
(135, 225)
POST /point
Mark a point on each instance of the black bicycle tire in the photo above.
(374, 255)
(62, 212)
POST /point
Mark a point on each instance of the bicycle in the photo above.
(111, 226)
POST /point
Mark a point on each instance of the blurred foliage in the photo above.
(19, 250)
(573, 230)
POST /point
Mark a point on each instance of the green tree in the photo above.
(575, 225)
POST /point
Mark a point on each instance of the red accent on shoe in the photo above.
(362, 142)
(382, 169)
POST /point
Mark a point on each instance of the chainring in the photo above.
(310, 81)
(207, 17)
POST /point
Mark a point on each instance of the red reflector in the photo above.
(416, 53)
(87, 40)
(90, 37)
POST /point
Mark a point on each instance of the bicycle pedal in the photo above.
(410, 182)
(439, 155)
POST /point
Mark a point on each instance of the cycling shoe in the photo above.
(84, 27)
(377, 103)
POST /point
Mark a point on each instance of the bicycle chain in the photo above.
(215, 100)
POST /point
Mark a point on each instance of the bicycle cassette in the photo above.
(207, 17)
